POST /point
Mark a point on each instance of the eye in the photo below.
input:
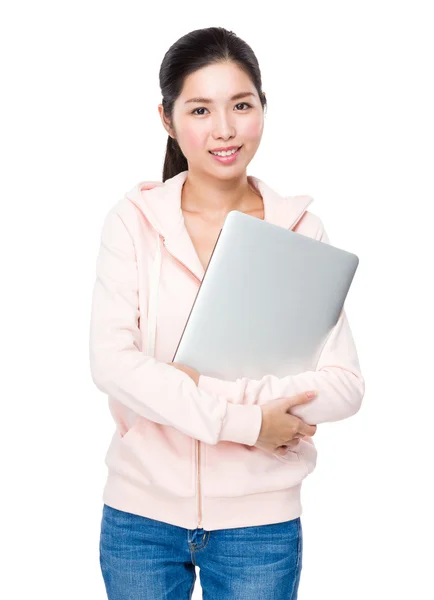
(246, 103)
(193, 112)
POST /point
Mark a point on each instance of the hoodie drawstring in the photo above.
(153, 300)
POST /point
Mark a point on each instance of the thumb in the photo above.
(299, 398)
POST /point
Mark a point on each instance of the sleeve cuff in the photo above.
(241, 424)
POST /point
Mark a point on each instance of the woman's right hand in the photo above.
(279, 427)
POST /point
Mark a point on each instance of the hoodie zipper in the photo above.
(198, 452)
(199, 495)
(198, 447)
(198, 487)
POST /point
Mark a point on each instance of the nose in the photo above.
(223, 127)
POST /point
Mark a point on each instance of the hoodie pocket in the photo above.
(306, 453)
(154, 455)
(236, 469)
(138, 425)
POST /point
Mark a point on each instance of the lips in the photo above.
(226, 149)
(228, 159)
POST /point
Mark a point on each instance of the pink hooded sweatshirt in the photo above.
(184, 454)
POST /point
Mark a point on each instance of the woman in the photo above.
(202, 471)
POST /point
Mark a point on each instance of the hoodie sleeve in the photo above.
(337, 378)
(151, 388)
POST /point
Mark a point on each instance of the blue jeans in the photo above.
(145, 559)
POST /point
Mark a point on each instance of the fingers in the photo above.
(292, 443)
(308, 430)
(302, 398)
(300, 428)
(284, 448)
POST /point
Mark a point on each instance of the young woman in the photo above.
(202, 471)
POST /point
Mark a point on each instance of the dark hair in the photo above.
(191, 52)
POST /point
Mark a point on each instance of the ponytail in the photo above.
(174, 161)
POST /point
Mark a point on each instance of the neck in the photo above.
(216, 197)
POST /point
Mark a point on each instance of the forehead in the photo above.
(217, 81)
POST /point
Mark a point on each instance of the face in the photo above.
(200, 126)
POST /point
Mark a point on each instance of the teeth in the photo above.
(225, 153)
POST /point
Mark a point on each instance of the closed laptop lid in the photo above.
(267, 302)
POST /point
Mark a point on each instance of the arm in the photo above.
(151, 388)
(337, 378)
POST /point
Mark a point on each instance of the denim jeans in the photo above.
(145, 559)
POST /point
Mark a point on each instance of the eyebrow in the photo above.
(209, 101)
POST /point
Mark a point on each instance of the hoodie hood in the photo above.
(160, 203)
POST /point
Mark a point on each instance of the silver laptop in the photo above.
(267, 302)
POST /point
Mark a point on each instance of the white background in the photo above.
(350, 122)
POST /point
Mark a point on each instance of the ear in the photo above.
(166, 124)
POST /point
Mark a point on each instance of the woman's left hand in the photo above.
(195, 376)
(188, 370)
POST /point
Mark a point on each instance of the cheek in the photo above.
(193, 140)
(253, 130)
